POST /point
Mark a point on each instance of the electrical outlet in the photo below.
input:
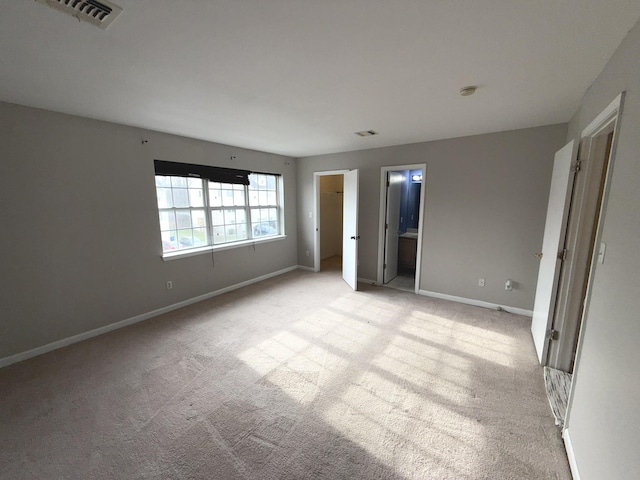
(481, 282)
(307, 253)
(169, 285)
(508, 285)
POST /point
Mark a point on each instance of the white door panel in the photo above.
(350, 230)
(553, 242)
(394, 197)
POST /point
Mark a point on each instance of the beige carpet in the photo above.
(293, 378)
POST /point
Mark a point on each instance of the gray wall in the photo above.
(486, 199)
(81, 243)
(604, 417)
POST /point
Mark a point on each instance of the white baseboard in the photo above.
(568, 446)
(305, 268)
(19, 357)
(477, 303)
(367, 281)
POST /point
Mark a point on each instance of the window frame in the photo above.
(209, 210)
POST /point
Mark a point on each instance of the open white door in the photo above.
(392, 223)
(350, 229)
(553, 241)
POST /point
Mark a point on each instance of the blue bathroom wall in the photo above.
(409, 200)
(404, 202)
(413, 199)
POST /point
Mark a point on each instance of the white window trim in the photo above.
(279, 206)
(174, 255)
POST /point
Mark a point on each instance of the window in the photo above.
(199, 212)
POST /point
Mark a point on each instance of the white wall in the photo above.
(486, 199)
(331, 206)
(604, 416)
(80, 235)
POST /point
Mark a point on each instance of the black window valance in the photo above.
(214, 174)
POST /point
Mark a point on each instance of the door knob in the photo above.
(355, 238)
(538, 255)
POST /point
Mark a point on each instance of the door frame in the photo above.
(582, 238)
(382, 217)
(612, 113)
(316, 213)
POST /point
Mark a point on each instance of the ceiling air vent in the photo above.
(100, 14)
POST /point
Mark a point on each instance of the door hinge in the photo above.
(386, 226)
(384, 266)
(388, 183)
(577, 166)
(552, 334)
(562, 254)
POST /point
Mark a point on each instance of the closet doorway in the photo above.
(336, 214)
(331, 189)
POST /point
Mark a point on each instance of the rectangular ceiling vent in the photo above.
(98, 13)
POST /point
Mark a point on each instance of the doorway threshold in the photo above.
(404, 281)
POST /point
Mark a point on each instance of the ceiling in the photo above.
(299, 77)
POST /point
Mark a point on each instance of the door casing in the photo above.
(316, 213)
(382, 219)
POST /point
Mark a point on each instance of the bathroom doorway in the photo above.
(400, 240)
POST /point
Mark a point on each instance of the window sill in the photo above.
(218, 248)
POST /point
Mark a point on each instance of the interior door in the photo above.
(350, 229)
(392, 221)
(553, 241)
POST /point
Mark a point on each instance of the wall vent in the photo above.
(99, 13)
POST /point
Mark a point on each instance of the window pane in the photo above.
(262, 197)
(241, 231)
(162, 181)
(227, 198)
(198, 218)
(169, 241)
(167, 220)
(199, 237)
(164, 198)
(230, 232)
(180, 197)
(196, 198)
(271, 198)
(215, 198)
(259, 181)
(217, 217)
(194, 182)
(183, 218)
(273, 215)
(185, 238)
(253, 198)
(271, 182)
(238, 198)
(263, 229)
(218, 235)
(178, 182)
(230, 217)
(237, 186)
(241, 216)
